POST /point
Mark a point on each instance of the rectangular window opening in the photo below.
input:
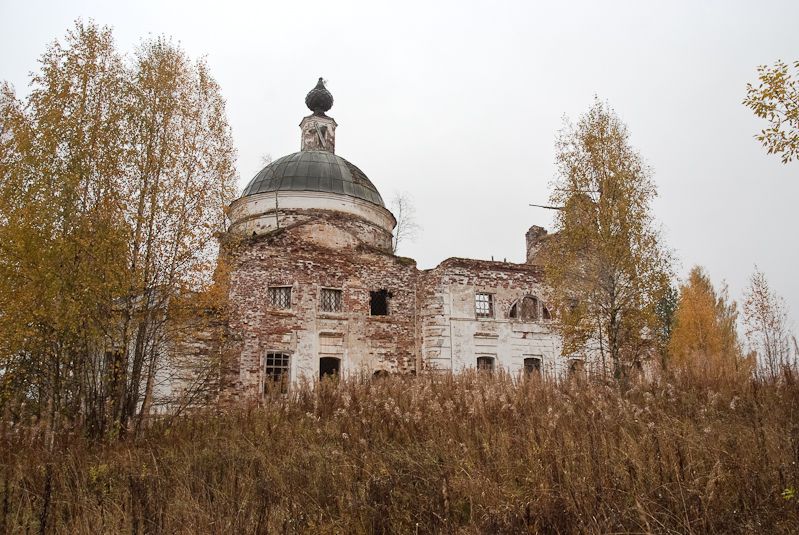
(485, 364)
(280, 297)
(330, 300)
(378, 302)
(484, 305)
(329, 367)
(276, 372)
(532, 366)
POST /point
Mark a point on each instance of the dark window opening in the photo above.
(330, 300)
(485, 364)
(529, 309)
(380, 374)
(329, 367)
(484, 305)
(532, 366)
(276, 372)
(576, 368)
(378, 302)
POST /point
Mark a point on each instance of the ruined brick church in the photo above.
(315, 289)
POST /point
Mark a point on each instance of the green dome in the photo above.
(314, 171)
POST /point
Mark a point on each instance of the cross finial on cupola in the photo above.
(319, 130)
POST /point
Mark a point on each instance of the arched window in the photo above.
(529, 308)
(378, 302)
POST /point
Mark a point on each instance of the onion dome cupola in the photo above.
(316, 167)
(315, 178)
(319, 100)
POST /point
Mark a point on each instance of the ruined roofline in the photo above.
(487, 264)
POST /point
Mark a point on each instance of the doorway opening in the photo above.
(329, 367)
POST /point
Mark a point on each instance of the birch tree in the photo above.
(116, 174)
(183, 177)
(775, 98)
(766, 326)
(405, 213)
(606, 265)
(63, 235)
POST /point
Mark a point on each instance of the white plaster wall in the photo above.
(338, 335)
(257, 213)
(453, 337)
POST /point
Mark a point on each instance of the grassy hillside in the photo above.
(464, 454)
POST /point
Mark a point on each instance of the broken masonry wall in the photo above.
(453, 337)
(298, 257)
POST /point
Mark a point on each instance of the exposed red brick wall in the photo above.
(288, 257)
(431, 322)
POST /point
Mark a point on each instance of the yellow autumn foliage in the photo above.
(606, 263)
(115, 174)
(704, 339)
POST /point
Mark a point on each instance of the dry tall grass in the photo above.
(463, 454)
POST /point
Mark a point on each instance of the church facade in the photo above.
(315, 289)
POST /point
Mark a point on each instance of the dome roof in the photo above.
(314, 171)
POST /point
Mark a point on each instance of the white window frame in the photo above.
(489, 302)
(270, 368)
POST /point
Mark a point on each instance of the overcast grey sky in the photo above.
(458, 103)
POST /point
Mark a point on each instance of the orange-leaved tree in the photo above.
(704, 340)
